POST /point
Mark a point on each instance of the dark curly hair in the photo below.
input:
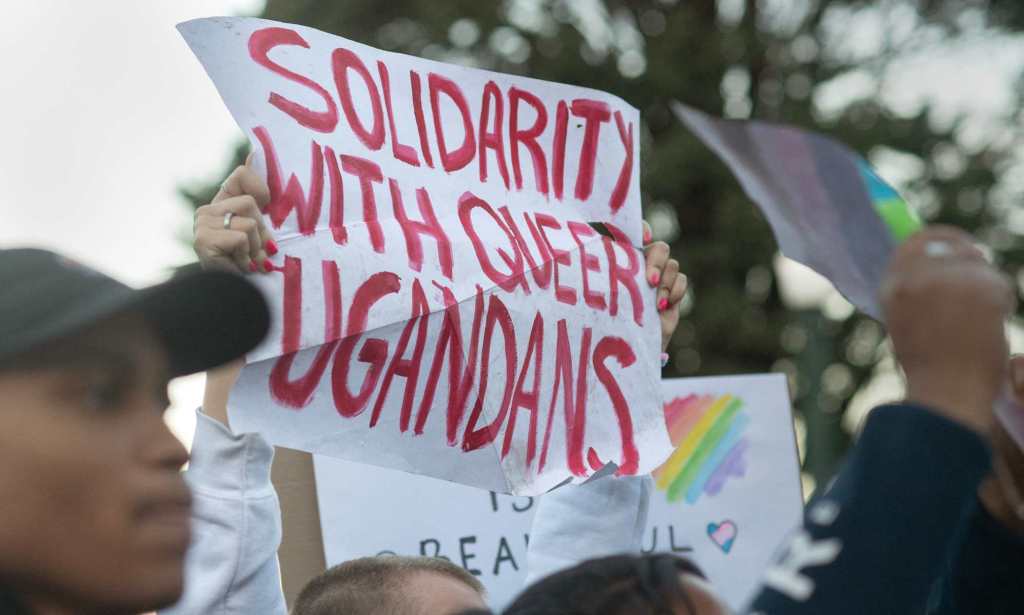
(615, 585)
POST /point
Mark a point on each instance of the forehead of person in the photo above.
(94, 513)
(392, 585)
(434, 593)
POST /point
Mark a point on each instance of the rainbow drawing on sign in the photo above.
(897, 215)
(707, 431)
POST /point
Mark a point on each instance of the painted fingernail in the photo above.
(647, 235)
(271, 247)
(268, 266)
(655, 278)
(252, 266)
(662, 304)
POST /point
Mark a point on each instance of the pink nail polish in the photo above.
(268, 266)
(662, 304)
(252, 266)
(647, 235)
(655, 278)
(271, 247)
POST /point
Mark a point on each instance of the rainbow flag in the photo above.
(901, 220)
(708, 433)
(827, 207)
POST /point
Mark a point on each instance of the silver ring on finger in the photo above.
(227, 219)
(937, 249)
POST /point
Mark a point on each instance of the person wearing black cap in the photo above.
(94, 513)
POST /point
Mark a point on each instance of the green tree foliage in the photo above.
(836, 66)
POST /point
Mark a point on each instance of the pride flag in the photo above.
(828, 209)
(901, 220)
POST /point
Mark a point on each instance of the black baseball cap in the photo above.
(203, 318)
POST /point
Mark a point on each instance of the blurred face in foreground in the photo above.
(94, 514)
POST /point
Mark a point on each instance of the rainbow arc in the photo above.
(708, 433)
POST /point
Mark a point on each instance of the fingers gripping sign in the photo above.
(227, 235)
(663, 273)
(229, 231)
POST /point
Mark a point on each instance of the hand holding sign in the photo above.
(229, 232)
(442, 303)
(663, 273)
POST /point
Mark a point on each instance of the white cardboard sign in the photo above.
(727, 500)
(441, 303)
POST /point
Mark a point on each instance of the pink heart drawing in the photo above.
(723, 534)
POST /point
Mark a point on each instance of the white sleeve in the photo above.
(231, 566)
(606, 516)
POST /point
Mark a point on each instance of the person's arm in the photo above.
(248, 473)
(575, 523)
(301, 550)
(232, 564)
(607, 515)
(983, 575)
(876, 540)
(983, 572)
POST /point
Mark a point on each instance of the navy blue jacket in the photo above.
(900, 530)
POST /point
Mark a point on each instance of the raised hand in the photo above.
(240, 245)
(945, 308)
(663, 273)
(229, 232)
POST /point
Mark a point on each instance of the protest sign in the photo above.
(828, 209)
(441, 304)
(727, 498)
(731, 488)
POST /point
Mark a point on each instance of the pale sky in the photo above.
(106, 113)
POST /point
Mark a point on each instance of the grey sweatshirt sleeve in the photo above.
(231, 565)
(574, 523)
